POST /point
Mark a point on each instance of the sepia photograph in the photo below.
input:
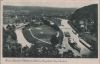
(47, 29)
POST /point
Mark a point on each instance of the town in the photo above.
(43, 32)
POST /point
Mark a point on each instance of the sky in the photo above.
(51, 3)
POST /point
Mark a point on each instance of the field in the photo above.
(43, 32)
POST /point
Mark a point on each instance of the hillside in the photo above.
(90, 11)
(87, 14)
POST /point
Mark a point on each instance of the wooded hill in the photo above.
(89, 13)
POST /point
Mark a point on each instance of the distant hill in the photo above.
(36, 10)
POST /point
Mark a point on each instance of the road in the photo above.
(67, 28)
(21, 39)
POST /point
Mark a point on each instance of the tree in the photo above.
(54, 40)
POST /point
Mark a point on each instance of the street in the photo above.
(67, 28)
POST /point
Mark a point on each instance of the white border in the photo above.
(65, 60)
